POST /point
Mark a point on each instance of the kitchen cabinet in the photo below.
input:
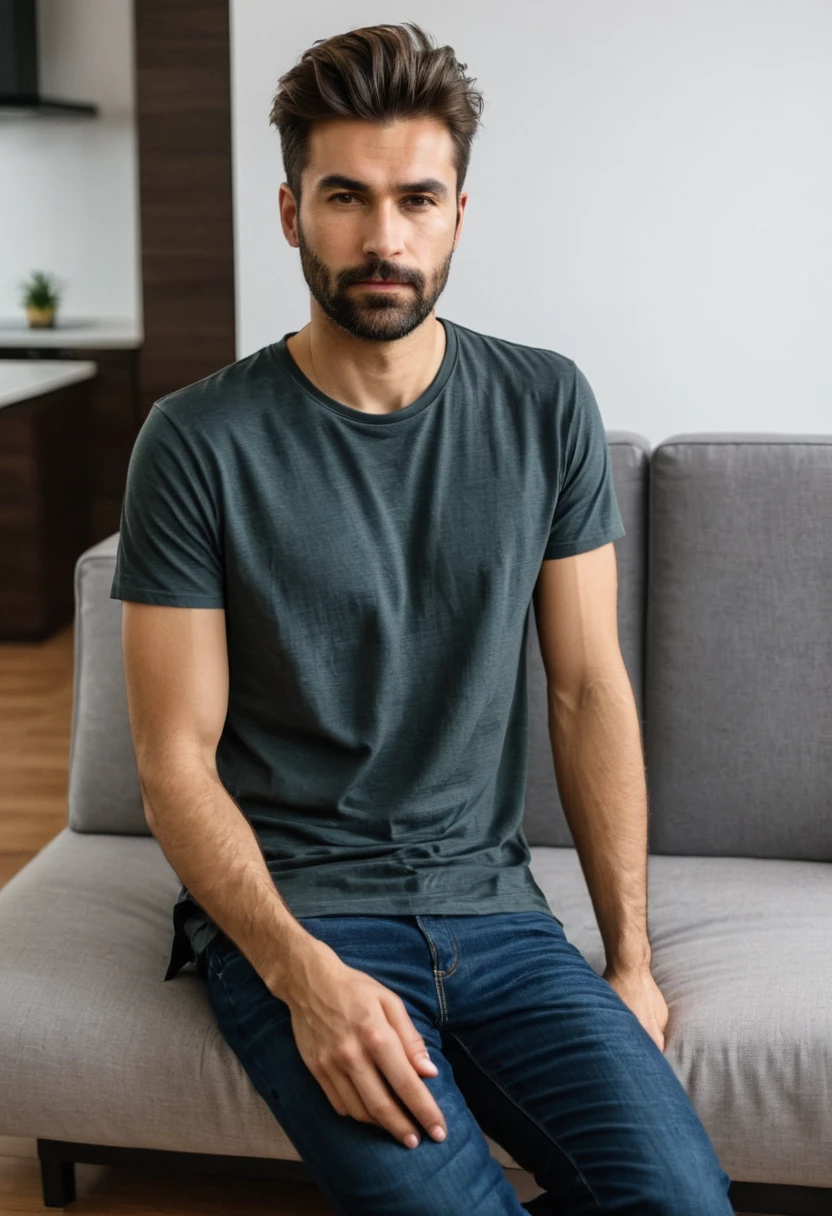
(114, 401)
(45, 519)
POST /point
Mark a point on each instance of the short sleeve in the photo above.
(586, 513)
(169, 549)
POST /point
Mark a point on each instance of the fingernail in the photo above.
(438, 1132)
(411, 1141)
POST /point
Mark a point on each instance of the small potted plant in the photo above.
(40, 299)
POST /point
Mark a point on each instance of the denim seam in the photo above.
(218, 975)
(452, 935)
(453, 965)
(525, 1113)
(443, 1012)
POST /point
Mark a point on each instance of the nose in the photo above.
(383, 238)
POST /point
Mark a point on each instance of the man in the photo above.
(328, 554)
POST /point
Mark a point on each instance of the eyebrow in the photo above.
(428, 185)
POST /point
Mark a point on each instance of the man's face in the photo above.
(360, 218)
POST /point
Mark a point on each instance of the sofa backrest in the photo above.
(725, 623)
(103, 793)
(738, 670)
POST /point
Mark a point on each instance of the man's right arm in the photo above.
(354, 1034)
(176, 674)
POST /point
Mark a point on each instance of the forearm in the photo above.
(214, 851)
(599, 767)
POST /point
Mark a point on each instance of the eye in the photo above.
(422, 198)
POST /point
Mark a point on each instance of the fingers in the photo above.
(412, 1041)
(355, 1088)
(387, 1053)
(337, 1094)
(354, 1082)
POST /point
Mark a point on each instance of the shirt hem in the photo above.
(571, 548)
(142, 595)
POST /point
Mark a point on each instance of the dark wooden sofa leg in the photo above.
(780, 1199)
(58, 1159)
(57, 1176)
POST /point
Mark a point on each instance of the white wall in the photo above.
(650, 194)
(69, 197)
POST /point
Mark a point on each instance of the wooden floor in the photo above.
(35, 719)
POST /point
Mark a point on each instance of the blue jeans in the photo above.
(532, 1046)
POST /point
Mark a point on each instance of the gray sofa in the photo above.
(725, 620)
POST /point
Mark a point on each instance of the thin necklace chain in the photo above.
(312, 361)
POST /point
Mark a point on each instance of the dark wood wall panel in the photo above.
(183, 114)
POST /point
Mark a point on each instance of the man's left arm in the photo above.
(599, 762)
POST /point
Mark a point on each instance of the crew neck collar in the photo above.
(432, 391)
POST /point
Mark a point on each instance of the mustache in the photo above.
(392, 277)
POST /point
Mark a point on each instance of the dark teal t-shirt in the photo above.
(376, 572)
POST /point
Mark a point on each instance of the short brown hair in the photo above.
(379, 73)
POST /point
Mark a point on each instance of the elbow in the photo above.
(146, 807)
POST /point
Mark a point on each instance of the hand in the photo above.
(640, 992)
(354, 1034)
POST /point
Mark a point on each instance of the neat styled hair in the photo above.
(381, 74)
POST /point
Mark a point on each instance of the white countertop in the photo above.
(24, 378)
(73, 331)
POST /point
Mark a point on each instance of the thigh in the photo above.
(590, 1104)
(360, 1167)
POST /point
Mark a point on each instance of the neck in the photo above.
(377, 377)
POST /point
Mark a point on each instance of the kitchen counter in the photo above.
(120, 332)
(21, 379)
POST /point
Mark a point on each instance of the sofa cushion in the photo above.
(738, 725)
(95, 1047)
